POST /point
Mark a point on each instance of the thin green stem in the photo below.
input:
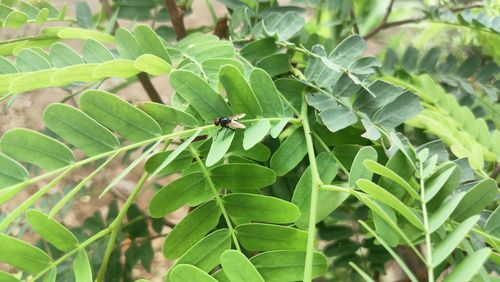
(335, 188)
(61, 203)
(315, 184)
(18, 187)
(81, 246)
(218, 199)
(428, 253)
(325, 146)
(116, 225)
(31, 200)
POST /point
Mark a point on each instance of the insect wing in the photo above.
(237, 116)
(235, 124)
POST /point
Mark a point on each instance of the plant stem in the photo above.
(116, 224)
(335, 188)
(218, 199)
(384, 21)
(315, 184)
(31, 200)
(61, 203)
(148, 86)
(177, 18)
(428, 253)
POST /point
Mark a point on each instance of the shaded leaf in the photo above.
(242, 176)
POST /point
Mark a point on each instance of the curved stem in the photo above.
(428, 255)
(315, 184)
(61, 203)
(218, 199)
(116, 225)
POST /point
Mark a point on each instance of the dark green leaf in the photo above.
(242, 176)
(348, 50)
(259, 49)
(358, 170)
(84, 15)
(476, 199)
(267, 237)
(261, 208)
(176, 194)
(290, 153)
(189, 273)
(191, 229)
(239, 93)
(268, 96)
(275, 64)
(285, 265)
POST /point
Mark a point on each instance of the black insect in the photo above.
(230, 122)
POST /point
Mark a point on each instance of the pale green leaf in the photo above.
(51, 231)
(12, 172)
(476, 199)
(82, 268)
(238, 268)
(79, 129)
(389, 174)
(150, 43)
(266, 93)
(152, 64)
(239, 93)
(30, 146)
(290, 153)
(220, 146)
(438, 217)
(22, 255)
(467, 268)
(268, 237)
(189, 273)
(255, 133)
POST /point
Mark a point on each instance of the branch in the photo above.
(177, 18)
(149, 87)
(384, 24)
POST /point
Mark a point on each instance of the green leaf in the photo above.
(7, 277)
(348, 51)
(268, 237)
(28, 60)
(95, 52)
(171, 157)
(183, 161)
(242, 176)
(118, 115)
(275, 64)
(51, 276)
(6, 66)
(189, 273)
(255, 133)
(176, 194)
(410, 59)
(286, 265)
(333, 116)
(22, 255)
(444, 248)
(239, 93)
(389, 174)
(492, 225)
(208, 103)
(467, 268)
(61, 55)
(84, 15)
(127, 45)
(51, 231)
(383, 228)
(115, 68)
(70, 74)
(285, 26)
(152, 64)
(220, 146)
(266, 92)
(290, 153)
(238, 268)
(15, 19)
(150, 43)
(12, 172)
(278, 128)
(79, 129)
(387, 198)
(35, 148)
(438, 217)
(358, 170)
(81, 267)
(259, 49)
(399, 110)
(206, 253)
(191, 229)
(80, 33)
(437, 181)
(476, 199)
(327, 200)
(261, 208)
(167, 117)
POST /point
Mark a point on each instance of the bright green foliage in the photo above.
(345, 161)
